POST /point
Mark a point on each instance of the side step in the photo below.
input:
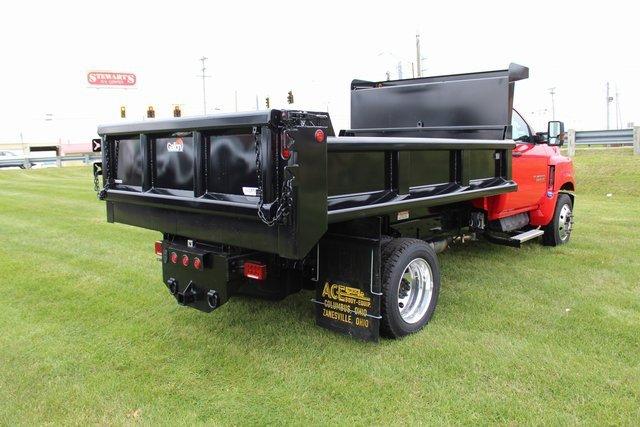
(527, 235)
(515, 241)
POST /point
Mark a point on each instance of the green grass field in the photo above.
(89, 334)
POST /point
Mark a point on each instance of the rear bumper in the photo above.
(203, 281)
(218, 274)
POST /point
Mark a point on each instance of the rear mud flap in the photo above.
(348, 290)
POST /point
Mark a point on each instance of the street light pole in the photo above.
(552, 91)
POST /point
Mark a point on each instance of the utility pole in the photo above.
(609, 99)
(618, 115)
(204, 91)
(552, 92)
(418, 56)
(399, 70)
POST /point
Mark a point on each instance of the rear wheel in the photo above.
(558, 231)
(410, 286)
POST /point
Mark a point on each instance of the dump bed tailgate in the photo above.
(209, 177)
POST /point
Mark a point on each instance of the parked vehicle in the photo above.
(9, 159)
(267, 203)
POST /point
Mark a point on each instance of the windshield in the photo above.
(519, 128)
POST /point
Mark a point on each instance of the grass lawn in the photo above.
(89, 334)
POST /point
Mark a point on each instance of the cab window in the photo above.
(519, 128)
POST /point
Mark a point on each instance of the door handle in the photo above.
(516, 154)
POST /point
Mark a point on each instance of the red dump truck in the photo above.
(269, 203)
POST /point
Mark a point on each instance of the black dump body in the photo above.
(413, 144)
(266, 203)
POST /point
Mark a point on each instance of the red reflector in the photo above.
(285, 153)
(185, 261)
(319, 135)
(158, 248)
(255, 270)
(174, 257)
(197, 263)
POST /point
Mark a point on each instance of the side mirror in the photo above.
(555, 132)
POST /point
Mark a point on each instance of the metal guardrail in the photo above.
(57, 160)
(616, 137)
(605, 137)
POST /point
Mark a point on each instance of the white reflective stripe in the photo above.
(250, 191)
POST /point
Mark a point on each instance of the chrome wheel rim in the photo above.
(565, 222)
(415, 290)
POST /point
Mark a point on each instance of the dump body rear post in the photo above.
(268, 203)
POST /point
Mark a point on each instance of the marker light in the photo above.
(197, 263)
(185, 260)
(174, 257)
(255, 270)
(285, 153)
(320, 136)
(158, 247)
(552, 178)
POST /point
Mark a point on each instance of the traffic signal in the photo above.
(150, 112)
(268, 102)
(290, 97)
(123, 112)
(176, 111)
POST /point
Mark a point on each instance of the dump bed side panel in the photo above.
(371, 176)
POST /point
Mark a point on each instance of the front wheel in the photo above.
(410, 286)
(558, 231)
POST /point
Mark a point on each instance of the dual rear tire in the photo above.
(410, 286)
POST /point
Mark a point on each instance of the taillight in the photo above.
(255, 270)
(174, 257)
(320, 136)
(197, 263)
(158, 247)
(185, 260)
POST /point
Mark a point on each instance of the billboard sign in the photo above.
(111, 78)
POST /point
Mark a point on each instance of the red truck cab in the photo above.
(545, 181)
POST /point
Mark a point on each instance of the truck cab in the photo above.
(543, 175)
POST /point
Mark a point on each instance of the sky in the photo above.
(314, 49)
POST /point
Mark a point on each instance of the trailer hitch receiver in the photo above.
(190, 294)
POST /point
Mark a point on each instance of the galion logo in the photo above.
(175, 147)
